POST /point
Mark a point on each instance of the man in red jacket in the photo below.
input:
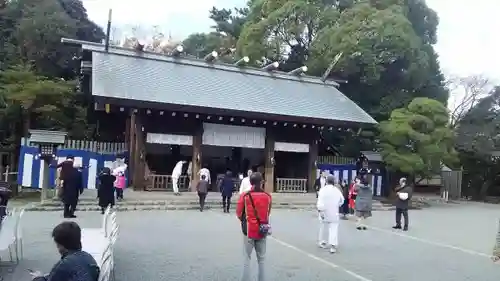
(253, 210)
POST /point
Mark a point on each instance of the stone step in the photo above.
(170, 207)
(169, 202)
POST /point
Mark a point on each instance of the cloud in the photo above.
(180, 17)
(467, 44)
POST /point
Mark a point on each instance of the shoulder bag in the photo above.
(264, 228)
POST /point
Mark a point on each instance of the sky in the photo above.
(468, 33)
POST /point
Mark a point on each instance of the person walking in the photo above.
(330, 198)
(176, 174)
(72, 187)
(364, 200)
(120, 185)
(226, 186)
(320, 182)
(245, 183)
(352, 197)
(253, 210)
(205, 171)
(404, 193)
(106, 191)
(202, 189)
(344, 209)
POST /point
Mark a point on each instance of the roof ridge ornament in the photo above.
(272, 66)
(298, 71)
(177, 51)
(211, 57)
(243, 61)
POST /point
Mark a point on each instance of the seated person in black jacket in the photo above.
(75, 264)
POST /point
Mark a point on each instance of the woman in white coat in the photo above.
(330, 198)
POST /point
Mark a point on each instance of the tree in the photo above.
(478, 142)
(201, 44)
(416, 140)
(35, 97)
(469, 91)
(33, 32)
(227, 29)
(386, 46)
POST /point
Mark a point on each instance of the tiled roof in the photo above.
(127, 74)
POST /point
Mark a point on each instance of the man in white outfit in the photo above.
(330, 199)
(245, 183)
(206, 172)
(176, 174)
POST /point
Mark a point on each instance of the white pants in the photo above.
(329, 233)
(175, 184)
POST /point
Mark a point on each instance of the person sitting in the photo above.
(75, 264)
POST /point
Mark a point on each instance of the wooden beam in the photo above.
(131, 147)
(313, 156)
(269, 162)
(197, 156)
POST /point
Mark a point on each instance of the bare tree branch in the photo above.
(468, 91)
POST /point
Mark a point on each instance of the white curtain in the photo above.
(291, 147)
(169, 139)
(233, 136)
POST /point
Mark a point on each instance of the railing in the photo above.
(336, 160)
(287, 185)
(164, 183)
(7, 175)
(94, 146)
(10, 177)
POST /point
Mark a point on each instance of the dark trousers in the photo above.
(69, 209)
(119, 193)
(400, 212)
(226, 203)
(202, 196)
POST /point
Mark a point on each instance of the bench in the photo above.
(99, 242)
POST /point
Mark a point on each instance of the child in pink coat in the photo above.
(120, 185)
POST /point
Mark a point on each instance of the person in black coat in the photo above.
(344, 209)
(402, 205)
(226, 187)
(320, 182)
(106, 191)
(71, 189)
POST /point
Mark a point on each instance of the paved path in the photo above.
(188, 245)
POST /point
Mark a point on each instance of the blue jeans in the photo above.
(260, 252)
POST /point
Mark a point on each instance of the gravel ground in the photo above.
(188, 245)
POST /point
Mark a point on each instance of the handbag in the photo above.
(264, 228)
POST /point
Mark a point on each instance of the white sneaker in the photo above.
(333, 250)
(322, 245)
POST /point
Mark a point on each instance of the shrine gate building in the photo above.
(221, 116)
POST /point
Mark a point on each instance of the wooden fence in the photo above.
(335, 160)
(86, 145)
(452, 185)
(289, 185)
(164, 183)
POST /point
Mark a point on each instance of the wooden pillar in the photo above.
(313, 156)
(139, 155)
(131, 148)
(197, 157)
(269, 162)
